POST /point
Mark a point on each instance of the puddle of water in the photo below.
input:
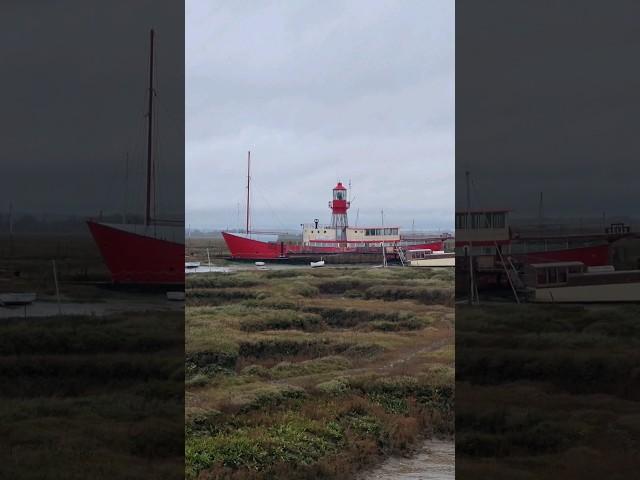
(434, 461)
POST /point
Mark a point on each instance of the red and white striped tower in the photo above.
(339, 206)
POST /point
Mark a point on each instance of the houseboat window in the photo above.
(553, 275)
(498, 220)
(487, 220)
(541, 277)
(575, 269)
(562, 275)
(461, 220)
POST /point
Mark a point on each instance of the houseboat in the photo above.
(424, 257)
(574, 282)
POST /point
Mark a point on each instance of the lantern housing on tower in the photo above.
(339, 206)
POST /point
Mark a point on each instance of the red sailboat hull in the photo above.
(249, 249)
(135, 258)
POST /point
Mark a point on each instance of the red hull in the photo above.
(139, 259)
(249, 249)
(593, 256)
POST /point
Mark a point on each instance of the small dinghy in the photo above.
(317, 264)
(175, 296)
(191, 264)
(259, 264)
(10, 299)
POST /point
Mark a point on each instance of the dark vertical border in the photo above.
(92, 370)
(546, 97)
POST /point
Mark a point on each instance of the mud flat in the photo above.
(434, 460)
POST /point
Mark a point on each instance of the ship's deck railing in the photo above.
(313, 226)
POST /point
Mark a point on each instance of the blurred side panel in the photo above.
(547, 240)
(92, 239)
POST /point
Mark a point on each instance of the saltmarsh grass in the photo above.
(296, 377)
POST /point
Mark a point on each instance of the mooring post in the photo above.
(55, 280)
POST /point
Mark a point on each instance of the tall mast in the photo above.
(471, 279)
(248, 186)
(149, 133)
(540, 212)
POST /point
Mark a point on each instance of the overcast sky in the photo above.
(320, 92)
(548, 95)
(73, 103)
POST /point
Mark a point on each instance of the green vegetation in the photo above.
(92, 397)
(315, 374)
(547, 391)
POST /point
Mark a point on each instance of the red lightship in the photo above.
(336, 238)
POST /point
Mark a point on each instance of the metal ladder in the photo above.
(512, 274)
(401, 255)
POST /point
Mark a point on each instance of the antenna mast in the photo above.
(540, 212)
(248, 186)
(149, 132)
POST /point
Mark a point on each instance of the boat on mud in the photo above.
(16, 299)
(425, 257)
(574, 282)
(147, 253)
(337, 240)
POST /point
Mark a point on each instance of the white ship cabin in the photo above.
(316, 235)
(551, 273)
(483, 231)
(573, 282)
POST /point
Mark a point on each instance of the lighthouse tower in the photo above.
(339, 206)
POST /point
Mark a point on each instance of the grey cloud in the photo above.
(320, 92)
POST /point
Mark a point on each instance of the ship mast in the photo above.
(149, 133)
(248, 186)
(472, 284)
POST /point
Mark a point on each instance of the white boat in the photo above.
(9, 299)
(317, 264)
(259, 264)
(429, 258)
(191, 264)
(175, 296)
(572, 282)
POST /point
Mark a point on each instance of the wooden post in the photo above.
(55, 280)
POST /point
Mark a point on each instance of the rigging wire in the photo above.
(271, 210)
